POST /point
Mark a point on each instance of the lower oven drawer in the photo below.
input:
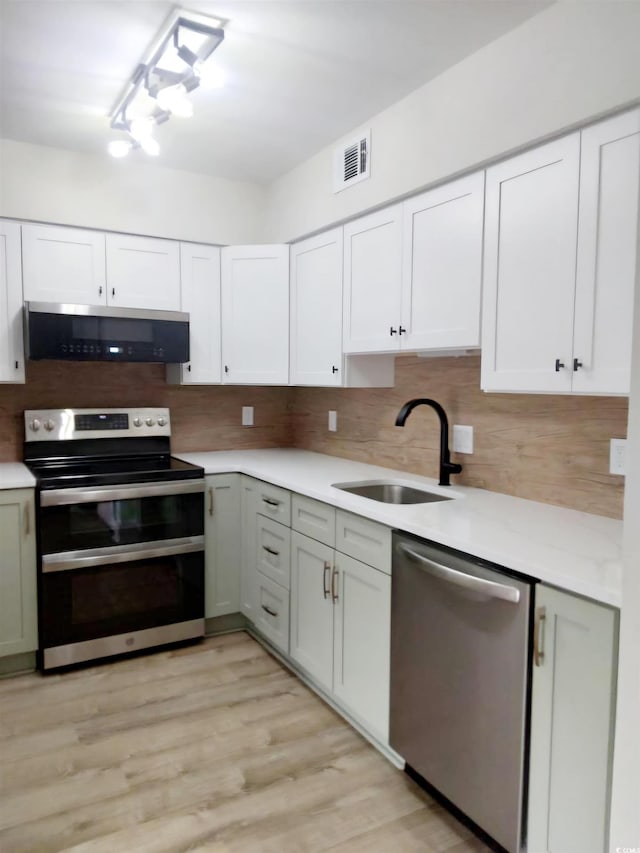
(85, 598)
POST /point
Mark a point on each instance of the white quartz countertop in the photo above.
(575, 551)
(15, 475)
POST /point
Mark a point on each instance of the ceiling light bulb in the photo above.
(141, 128)
(175, 100)
(119, 147)
(150, 146)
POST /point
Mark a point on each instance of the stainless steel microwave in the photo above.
(102, 333)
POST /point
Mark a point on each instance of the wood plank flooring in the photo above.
(211, 747)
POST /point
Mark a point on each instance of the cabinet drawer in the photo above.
(272, 612)
(274, 550)
(274, 503)
(314, 519)
(364, 540)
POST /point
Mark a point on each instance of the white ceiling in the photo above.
(300, 73)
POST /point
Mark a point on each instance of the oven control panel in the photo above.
(66, 424)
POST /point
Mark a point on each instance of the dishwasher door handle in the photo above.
(490, 588)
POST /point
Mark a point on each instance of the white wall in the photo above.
(574, 61)
(55, 185)
(625, 800)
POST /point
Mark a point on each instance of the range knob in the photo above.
(149, 421)
(161, 421)
(137, 422)
(49, 425)
(35, 425)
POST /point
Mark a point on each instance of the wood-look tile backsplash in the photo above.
(546, 448)
(203, 417)
(542, 447)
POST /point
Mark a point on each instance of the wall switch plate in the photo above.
(247, 416)
(333, 421)
(617, 456)
(462, 439)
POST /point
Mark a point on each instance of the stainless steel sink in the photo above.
(390, 493)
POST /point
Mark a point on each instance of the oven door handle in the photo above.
(88, 558)
(63, 497)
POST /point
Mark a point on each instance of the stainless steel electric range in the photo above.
(120, 533)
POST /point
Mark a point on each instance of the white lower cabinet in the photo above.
(248, 520)
(272, 611)
(341, 617)
(222, 545)
(571, 724)
(18, 596)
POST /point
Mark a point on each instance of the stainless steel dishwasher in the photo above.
(460, 681)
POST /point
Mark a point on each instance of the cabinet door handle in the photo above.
(271, 502)
(392, 331)
(17, 364)
(559, 364)
(226, 368)
(269, 610)
(326, 590)
(402, 330)
(538, 651)
(189, 368)
(100, 291)
(27, 520)
(576, 365)
(334, 591)
(271, 551)
(334, 369)
(211, 501)
(113, 291)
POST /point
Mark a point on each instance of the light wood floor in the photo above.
(209, 747)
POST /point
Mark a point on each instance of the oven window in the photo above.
(76, 527)
(86, 604)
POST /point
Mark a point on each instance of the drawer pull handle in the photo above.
(271, 502)
(538, 651)
(271, 551)
(326, 590)
(334, 591)
(269, 610)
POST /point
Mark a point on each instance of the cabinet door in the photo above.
(143, 272)
(18, 599)
(222, 545)
(311, 617)
(607, 237)
(248, 589)
(529, 269)
(571, 724)
(255, 315)
(11, 341)
(63, 265)
(200, 287)
(372, 282)
(361, 645)
(442, 266)
(316, 310)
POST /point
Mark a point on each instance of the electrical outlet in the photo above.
(617, 456)
(247, 416)
(462, 439)
(333, 422)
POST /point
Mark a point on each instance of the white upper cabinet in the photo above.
(529, 273)
(143, 272)
(255, 314)
(609, 178)
(560, 256)
(372, 282)
(63, 265)
(442, 266)
(316, 310)
(200, 278)
(11, 340)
